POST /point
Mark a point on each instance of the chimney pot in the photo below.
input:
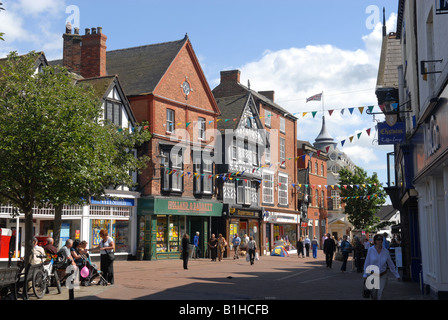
(68, 28)
(87, 31)
(77, 31)
(100, 30)
(93, 30)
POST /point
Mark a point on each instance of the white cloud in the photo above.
(29, 23)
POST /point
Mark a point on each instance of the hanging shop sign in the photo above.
(391, 134)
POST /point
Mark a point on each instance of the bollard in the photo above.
(71, 290)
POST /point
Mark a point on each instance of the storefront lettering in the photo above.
(190, 206)
(432, 137)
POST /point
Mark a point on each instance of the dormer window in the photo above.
(113, 112)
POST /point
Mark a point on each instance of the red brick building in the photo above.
(313, 190)
(166, 87)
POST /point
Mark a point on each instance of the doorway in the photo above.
(196, 224)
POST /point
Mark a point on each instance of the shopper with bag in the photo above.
(107, 250)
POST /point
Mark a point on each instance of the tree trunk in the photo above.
(57, 224)
(29, 234)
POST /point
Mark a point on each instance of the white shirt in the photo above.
(105, 245)
(381, 260)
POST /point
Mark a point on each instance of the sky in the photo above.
(297, 48)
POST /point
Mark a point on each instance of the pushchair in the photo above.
(92, 274)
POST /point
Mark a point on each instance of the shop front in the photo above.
(116, 214)
(162, 222)
(281, 229)
(243, 222)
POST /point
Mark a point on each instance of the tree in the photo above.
(362, 196)
(54, 150)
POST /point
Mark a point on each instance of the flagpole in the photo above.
(323, 109)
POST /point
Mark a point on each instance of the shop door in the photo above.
(194, 225)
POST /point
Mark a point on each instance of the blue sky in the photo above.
(297, 48)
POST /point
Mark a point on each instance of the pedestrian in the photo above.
(314, 245)
(49, 248)
(346, 248)
(185, 244)
(329, 249)
(222, 244)
(252, 247)
(307, 246)
(37, 253)
(357, 254)
(197, 250)
(386, 243)
(213, 247)
(236, 241)
(379, 257)
(300, 247)
(107, 251)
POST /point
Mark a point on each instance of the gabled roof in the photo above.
(103, 85)
(141, 68)
(232, 108)
(386, 212)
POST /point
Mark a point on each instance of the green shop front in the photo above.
(163, 221)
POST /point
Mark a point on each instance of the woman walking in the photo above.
(185, 245)
(377, 261)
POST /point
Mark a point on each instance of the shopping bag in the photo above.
(256, 256)
(247, 257)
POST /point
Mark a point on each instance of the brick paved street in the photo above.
(270, 278)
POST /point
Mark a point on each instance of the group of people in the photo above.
(76, 253)
(377, 257)
(217, 247)
(304, 244)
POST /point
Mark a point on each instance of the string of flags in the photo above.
(237, 176)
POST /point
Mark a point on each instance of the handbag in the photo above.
(110, 254)
(365, 292)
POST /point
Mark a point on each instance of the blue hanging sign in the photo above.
(391, 134)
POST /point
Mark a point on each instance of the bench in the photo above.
(8, 280)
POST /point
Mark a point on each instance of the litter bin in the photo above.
(5, 237)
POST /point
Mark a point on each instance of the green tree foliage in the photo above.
(53, 147)
(362, 196)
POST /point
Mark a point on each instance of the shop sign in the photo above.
(179, 207)
(391, 134)
(238, 212)
(113, 202)
(279, 217)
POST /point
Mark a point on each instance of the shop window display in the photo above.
(169, 233)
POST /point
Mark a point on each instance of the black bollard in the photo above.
(71, 290)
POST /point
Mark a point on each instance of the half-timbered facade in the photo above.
(239, 174)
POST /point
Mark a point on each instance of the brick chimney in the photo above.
(93, 54)
(230, 76)
(268, 94)
(85, 55)
(72, 49)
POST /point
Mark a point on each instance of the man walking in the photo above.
(236, 241)
(307, 246)
(329, 249)
(196, 253)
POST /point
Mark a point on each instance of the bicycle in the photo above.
(44, 276)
